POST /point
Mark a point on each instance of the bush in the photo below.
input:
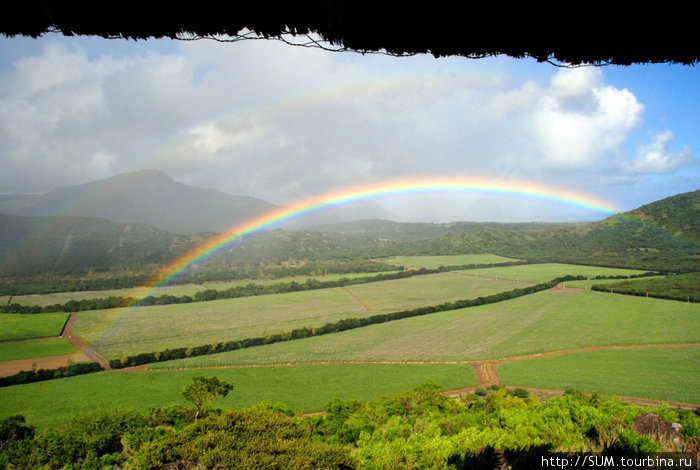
(520, 393)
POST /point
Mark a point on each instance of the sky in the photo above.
(284, 124)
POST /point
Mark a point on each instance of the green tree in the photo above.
(13, 429)
(203, 389)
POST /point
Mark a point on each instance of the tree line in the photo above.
(328, 328)
(251, 289)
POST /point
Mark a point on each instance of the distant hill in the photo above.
(387, 229)
(149, 197)
(33, 245)
(678, 215)
(662, 235)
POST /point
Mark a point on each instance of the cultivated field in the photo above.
(547, 321)
(432, 262)
(586, 284)
(554, 321)
(305, 389)
(14, 327)
(671, 373)
(13, 351)
(177, 290)
(116, 332)
(546, 271)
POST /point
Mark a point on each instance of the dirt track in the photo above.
(356, 298)
(85, 353)
(82, 346)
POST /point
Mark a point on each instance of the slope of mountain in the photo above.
(661, 235)
(149, 197)
(380, 228)
(32, 245)
(677, 215)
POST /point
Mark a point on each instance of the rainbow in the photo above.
(374, 191)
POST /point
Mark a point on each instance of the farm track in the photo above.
(80, 344)
(356, 298)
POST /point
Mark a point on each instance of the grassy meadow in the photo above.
(12, 351)
(551, 320)
(116, 332)
(177, 290)
(671, 373)
(547, 321)
(15, 327)
(537, 273)
(306, 389)
(433, 262)
(586, 284)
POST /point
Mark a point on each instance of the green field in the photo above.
(13, 351)
(177, 290)
(306, 389)
(601, 282)
(661, 373)
(547, 321)
(13, 326)
(538, 273)
(116, 332)
(681, 286)
(432, 262)
(418, 291)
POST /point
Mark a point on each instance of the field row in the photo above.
(546, 321)
(309, 388)
(118, 332)
(176, 290)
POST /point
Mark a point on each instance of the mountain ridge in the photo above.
(146, 196)
(153, 197)
(663, 235)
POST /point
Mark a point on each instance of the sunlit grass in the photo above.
(15, 326)
(306, 389)
(547, 321)
(13, 351)
(661, 373)
(117, 332)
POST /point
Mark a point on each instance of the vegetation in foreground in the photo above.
(421, 429)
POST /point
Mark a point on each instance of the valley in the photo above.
(335, 320)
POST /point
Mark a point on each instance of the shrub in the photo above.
(520, 393)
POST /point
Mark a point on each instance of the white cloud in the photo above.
(579, 120)
(284, 123)
(656, 157)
